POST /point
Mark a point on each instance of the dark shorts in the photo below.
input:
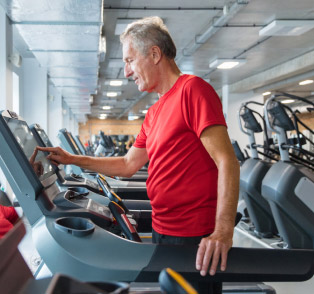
(201, 287)
(173, 240)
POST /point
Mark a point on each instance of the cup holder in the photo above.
(79, 190)
(77, 226)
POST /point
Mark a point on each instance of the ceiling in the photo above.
(65, 36)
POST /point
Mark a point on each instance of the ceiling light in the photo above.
(103, 115)
(107, 107)
(112, 94)
(306, 82)
(144, 111)
(226, 63)
(266, 93)
(287, 28)
(287, 101)
(116, 83)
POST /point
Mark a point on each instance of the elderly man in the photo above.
(193, 172)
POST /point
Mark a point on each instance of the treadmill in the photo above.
(80, 145)
(81, 185)
(67, 141)
(16, 277)
(127, 189)
(93, 242)
(140, 175)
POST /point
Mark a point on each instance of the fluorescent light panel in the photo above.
(287, 28)
(306, 82)
(112, 93)
(116, 83)
(223, 63)
(287, 101)
(266, 93)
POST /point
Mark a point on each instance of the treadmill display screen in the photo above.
(73, 142)
(26, 140)
(44, 137)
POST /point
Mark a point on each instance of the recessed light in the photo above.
(106, 107)
(287, 101)
(112, 94)
(226, 63)
(266, 93)
(116, 82)
(306, 82)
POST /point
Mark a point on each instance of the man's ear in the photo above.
(156, 54)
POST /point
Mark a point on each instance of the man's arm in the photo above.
(124, 166)
(215, 247)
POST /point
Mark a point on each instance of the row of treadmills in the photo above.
(83, 229)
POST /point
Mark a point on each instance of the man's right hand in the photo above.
(57, 155)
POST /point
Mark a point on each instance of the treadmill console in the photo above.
(23, 135)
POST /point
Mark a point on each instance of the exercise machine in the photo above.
(288, 186)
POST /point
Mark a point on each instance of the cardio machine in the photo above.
(16, 277)
(141, 209)
(68, 143)
(288, 186)
(252, 173)
(127, 190)
(79, 237)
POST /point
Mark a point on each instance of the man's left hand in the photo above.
(212, 249)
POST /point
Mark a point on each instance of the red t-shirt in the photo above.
(8, 217)
(182, 182)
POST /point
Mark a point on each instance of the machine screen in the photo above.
(73, 142)
(26, 140)
(44, 137)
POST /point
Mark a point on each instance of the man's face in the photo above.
(139, 67)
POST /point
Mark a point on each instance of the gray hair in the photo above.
(148, 32)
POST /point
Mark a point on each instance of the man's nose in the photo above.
(127, 71)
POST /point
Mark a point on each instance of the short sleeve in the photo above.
(201, 106)
(140, 141)
(8, 213)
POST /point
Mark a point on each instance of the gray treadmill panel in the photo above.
(26, 140)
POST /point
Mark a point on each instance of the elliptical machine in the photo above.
(288, 186)
(252, 173)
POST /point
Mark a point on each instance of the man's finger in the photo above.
(207, 257)
(32, 159)
(215, 260)
(224, 256)
(200, 255)
(47, 149)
